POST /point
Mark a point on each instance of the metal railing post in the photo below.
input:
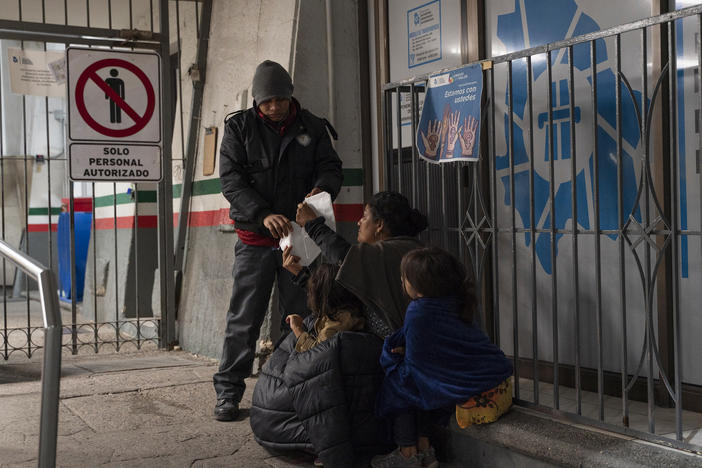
(51, 370)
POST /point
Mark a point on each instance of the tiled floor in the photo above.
(638, 411)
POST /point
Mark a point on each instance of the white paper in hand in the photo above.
(302, 245)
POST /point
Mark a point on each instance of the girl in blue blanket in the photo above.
(437, 360)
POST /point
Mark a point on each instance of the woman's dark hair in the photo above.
(325, 296)
(397, 214)
(433, 272)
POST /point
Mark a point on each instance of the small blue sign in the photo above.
(424, 34)
(449, 128)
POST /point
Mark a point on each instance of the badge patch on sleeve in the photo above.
(304, 139)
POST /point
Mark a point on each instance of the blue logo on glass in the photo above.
(545, 24)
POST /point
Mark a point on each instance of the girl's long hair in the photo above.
(325, 296)
(433, 272)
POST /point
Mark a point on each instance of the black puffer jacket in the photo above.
(262, 172)
(322, 400)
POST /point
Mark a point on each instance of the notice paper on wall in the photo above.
(37, 72)
(302, 245)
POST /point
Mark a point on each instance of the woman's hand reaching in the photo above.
(304, 213)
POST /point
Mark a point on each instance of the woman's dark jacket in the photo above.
(369, 271)
(324, 399)
(262, 172)
(321, 400)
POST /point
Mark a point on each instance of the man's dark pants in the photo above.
(255, 270)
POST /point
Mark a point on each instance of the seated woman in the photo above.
(288, 409)
(438, 359)
(369, 269)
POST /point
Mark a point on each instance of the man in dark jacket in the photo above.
(272, 156)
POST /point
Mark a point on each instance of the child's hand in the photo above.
(295, 322)
(398, 350)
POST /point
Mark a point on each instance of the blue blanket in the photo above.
(446, 360)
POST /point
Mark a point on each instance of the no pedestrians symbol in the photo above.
(114, 115)
(118, 100)
(114, 96)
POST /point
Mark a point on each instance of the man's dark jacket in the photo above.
(322, 400)
(264, 173)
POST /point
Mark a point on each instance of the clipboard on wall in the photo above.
(210, 154)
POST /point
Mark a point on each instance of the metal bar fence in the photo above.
(587, 348)
(114, 312)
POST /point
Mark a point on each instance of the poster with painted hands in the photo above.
(449, 126)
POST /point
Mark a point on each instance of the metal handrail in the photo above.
(51, 370)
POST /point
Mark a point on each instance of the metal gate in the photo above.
(115, 256)
(573, 221)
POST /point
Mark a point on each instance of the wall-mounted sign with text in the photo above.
(424, 34)
(37, 72)
(114, 119)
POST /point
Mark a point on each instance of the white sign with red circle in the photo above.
(114, 99)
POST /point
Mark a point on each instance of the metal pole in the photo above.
(330, 60)
(674, 184)
(646, 221)
(51, 370)
(398, 127)
(620, 224)
(493, 216)
(552, 229)
(532, 235)
(513, 234)
(596, 209)
(195, 111)
(165, 189)
(74, 289)
(574, 209)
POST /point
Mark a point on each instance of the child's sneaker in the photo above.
(428, 458)
(395, 459)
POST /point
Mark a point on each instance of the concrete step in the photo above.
(526, 437)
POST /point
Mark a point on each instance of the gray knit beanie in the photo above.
(270, 81)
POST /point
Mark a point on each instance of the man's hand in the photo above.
(295, 322)
(278, 224)
(314, 191)
(291, 262)
(304, 213)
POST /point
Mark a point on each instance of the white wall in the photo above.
(243, 34)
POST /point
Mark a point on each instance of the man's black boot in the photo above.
(226, 410)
